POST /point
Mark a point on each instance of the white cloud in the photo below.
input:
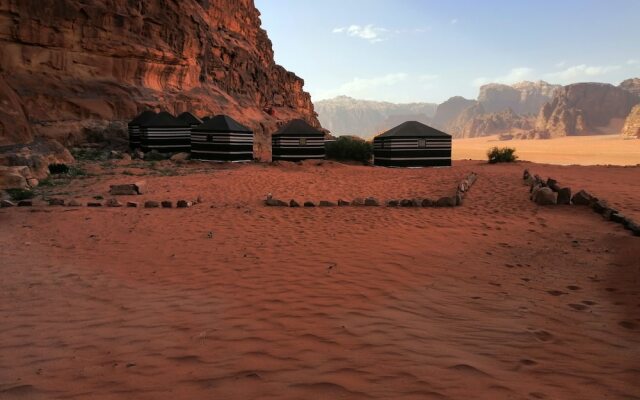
(579, 72)
(367, 32)
(561, 64)
(633, 62)
(518, 74)
(454, 21)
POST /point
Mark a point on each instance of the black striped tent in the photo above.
(296, 141)
(165, 134)
(221, 138)
(134, 128)
(190, 119)
(412, 144)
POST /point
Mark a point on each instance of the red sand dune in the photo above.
(497, 299)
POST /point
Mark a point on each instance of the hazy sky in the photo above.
(421, 50)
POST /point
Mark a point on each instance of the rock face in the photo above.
(500, 109)
(631, 85)
(631, 128)
(344, 115)
(71, 69)
(497, 97)
(585, 108)
(533, 95)
(475, 121)
(448, 111)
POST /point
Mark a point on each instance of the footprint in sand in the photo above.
(573, 287)
(589, 302)
(579, 307)
(543, 336)
(555, 292)
(628, 324)
(526, 361)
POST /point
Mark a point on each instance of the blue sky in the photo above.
(412, 50)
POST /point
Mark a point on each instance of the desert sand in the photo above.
(229, 299)
(580, 150)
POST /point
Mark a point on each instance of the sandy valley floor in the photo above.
(581, 150)
(496, 299)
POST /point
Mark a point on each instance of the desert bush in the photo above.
(349, 148)
(89, 154)
(20, 194)
(500, 155)
(58, 168)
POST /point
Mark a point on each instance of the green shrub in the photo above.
(58, 168)
(89, 154)
(20, 194)
(349, 148)
(500, 155)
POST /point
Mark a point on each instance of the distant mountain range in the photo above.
(525, 110)
(344, 115)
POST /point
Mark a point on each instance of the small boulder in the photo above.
(25, 203)
(608, 213)
(371, 202)
(309, 204)
(526, 175)
(553, 184)
(564, 195)
(598, 206)
(634, 228)
(141, 186)
(357, 202)
(56, 202)
(406, 203)
(180, 156)
(471, 178)
(74, 203)
(271, 202)
(151, 204)
(94, 204)
(545, 196)
(33, 182)
(125, 157)
(113, 203)
(428, 203)
(123, 190)
(581, 198)
(167, 204)
(392, 203)
(184, 204)
(6, 203)
(132, 204)
(459, 199)
(343, 203)
(446, 202)
(417, 202)
(325, 203)
(293, 203)
(618, 218)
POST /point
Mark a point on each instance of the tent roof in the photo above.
(412, 129)
(142, 117)
(164, 119)
(222, 123)
(189, 118)
(297, 127)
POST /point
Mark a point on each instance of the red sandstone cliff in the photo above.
(585, 108)
(70, 68)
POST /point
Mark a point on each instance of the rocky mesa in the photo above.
(70, 69)
(586, 108)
